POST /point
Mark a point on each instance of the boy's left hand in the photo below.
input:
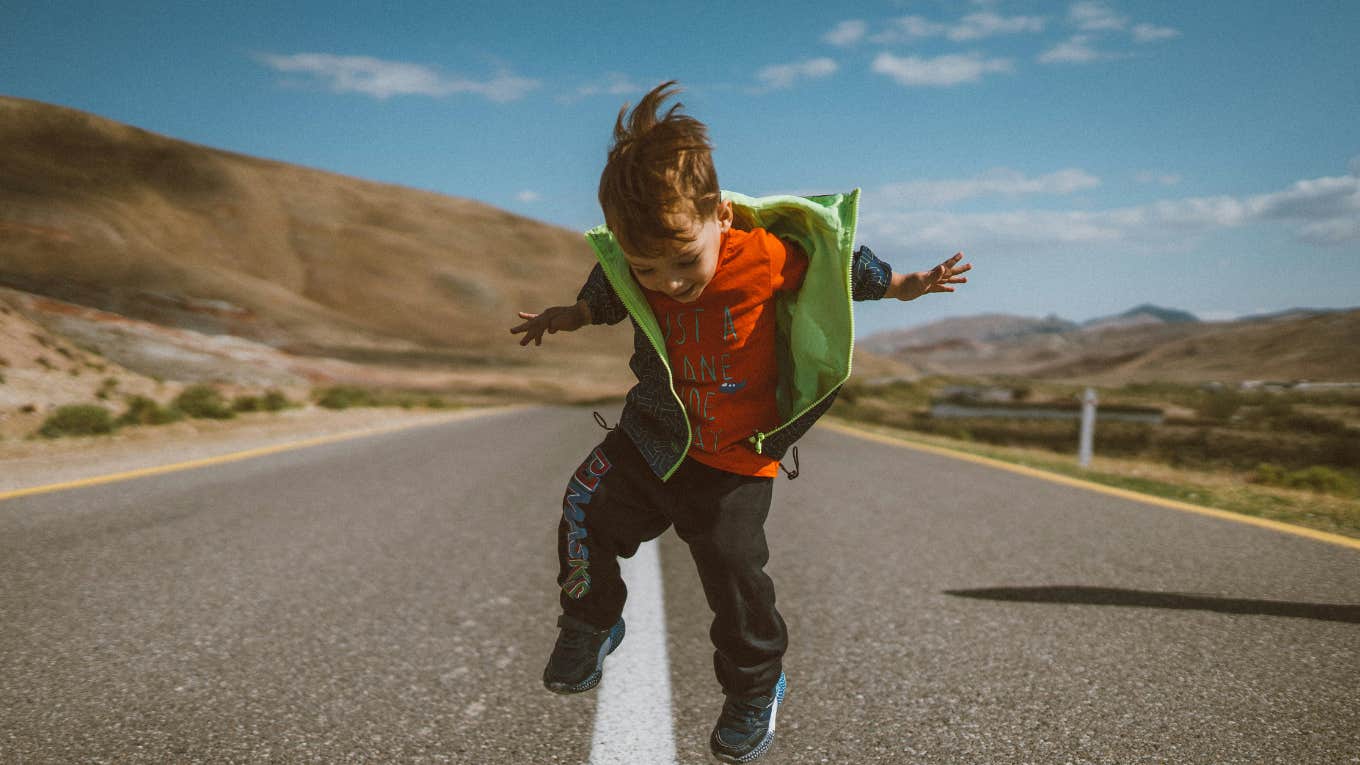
(937, 279)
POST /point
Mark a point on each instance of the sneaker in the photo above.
(577, 659)
(745, 730)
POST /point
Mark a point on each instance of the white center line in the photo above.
(633, 721)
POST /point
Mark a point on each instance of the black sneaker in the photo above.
(577, 659)
(745, 730)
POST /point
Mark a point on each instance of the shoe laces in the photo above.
(745, 712)
(576, 641)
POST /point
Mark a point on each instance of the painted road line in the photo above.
(633, 713)
(248, 454)
(1212, 512)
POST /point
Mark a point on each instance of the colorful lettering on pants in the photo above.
(579, 491)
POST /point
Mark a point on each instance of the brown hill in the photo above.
(110, 217)
(1303, 346)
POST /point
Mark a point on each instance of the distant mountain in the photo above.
(1291, 313)
(1143, 314)
(1146, 343)
(983, 328)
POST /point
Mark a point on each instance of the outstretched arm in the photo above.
(909, 286)
(559, 318)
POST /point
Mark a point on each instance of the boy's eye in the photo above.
(690, 262)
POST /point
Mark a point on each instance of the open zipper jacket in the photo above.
(815, 324)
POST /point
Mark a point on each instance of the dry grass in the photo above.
(1221, 489)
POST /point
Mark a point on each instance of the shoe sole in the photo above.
(765, 743)
(592, 680)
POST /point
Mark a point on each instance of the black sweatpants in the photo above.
(614, 502)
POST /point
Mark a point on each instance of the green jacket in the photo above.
(815, 324)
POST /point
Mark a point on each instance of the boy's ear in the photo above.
(724, 212)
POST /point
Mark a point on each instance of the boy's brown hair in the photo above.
(656, 166)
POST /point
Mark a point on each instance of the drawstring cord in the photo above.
(792, 474)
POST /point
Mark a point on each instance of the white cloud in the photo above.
(612, 84)
(1095, 16)
(1323, 211)
(974, 26)
(1146, 33)
(383, 79)
(846, 33)
(779, 76)
(528, 196)
(1150, 176)
(941, 71)
(1076, 50)
(998, 181)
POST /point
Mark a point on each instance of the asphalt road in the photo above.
(391, 599)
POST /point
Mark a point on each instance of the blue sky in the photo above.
(1085, 156)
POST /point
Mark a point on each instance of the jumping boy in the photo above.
(741, 309)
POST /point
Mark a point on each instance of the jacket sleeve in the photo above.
(869, 276)
(604, 303)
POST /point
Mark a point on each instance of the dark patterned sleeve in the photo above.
(605, 306)
(869, 276)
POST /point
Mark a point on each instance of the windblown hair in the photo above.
(657, 165)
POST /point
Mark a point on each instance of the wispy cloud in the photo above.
(528, 196)
(999, 181)
(1321, 211)
(383, 79)
(974, 26)
(1095, 16)
(612, 84)
(941, 71)
(781, 76)
(1078, 49)
(1146, 33)
(1151, 176)
(846, 33)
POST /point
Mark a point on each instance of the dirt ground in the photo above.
(31, 463)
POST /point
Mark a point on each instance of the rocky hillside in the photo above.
(112, 221)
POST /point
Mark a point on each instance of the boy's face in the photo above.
(682, 268)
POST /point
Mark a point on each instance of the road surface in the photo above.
(391, 599)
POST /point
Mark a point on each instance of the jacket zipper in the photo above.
(759, 438)
(660, 350)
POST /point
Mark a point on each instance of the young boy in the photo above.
(742, 336)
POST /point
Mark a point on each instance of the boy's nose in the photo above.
(677, 286)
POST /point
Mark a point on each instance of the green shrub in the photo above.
(1320, 478)
(247, 404)
(204, 402)
(345, 396)
(77, 420)
(1313, 478)
(105, 388)
(144, 411)
(1218, 405)
(275, 401)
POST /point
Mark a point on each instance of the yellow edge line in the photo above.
(1212, 512)
(243, 455)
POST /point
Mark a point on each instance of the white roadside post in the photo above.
(1088, 427)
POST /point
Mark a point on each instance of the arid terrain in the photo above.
(1143, 345)
(136, 264)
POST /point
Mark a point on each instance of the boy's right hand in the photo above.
(559, 318)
